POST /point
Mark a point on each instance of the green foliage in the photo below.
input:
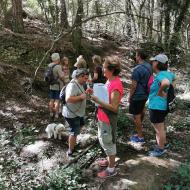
(23, 136)
(124, 123)
(66, 179)
(181, 179)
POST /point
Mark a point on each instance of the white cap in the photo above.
(55, 57)
(162, 58)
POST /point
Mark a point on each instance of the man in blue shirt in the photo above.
(138, 94)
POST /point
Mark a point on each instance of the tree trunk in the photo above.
(18, 25)
(64, 18)
(167, 24)
(77, 32)
(175, 39)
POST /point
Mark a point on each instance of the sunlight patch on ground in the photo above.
(184, 96)
(46, 164)
(7, 114)
(36, 148)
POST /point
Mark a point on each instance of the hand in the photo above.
(94, 98)
(162, 94)
(89, 91)
(83, 96)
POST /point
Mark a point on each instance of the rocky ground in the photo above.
(28, 159)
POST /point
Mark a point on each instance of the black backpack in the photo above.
(62, 95)
(171, 99)
(49, 76)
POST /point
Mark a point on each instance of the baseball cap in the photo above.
(55, 56)
(79, 72)
(162, 58)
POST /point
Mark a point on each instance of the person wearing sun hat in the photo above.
(157, 103)
(81, 63)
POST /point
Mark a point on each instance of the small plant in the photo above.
(180, 180)
(66, 179)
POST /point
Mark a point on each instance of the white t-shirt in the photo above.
(71, 110)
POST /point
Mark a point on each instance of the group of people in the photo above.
(78, 90)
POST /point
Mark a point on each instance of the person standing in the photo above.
(158, 101)
(107, 115)
(54, 89)
(138, 94)
(74, 109)
(98, 76)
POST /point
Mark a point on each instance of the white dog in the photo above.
(55, 130)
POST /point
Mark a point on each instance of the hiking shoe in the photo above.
(137, 139)
(105, 174)
(103, 163)
(157, 152)
(51, 114)
(166, 146)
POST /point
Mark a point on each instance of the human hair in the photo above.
(114, 64)
(162, 66)
(63, 60)
(97, 60)
(142, 53)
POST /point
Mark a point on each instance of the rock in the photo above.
(85, 139)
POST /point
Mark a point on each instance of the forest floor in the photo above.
(29, 160)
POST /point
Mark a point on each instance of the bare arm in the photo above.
(132, 89)
(114, 104)
(75, 99)
(164, 84)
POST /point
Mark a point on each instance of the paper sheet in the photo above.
(100, 90)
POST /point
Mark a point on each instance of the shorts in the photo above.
(54, 94)
(136, 106)
(157, 116)
(75, 125)
(106, 139)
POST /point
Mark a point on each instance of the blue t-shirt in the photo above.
(156, 102)
(141, 74)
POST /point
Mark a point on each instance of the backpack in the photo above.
(49, 76)
(62, 95)
(171, 99)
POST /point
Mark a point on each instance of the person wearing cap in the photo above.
(107, 115)
(74, 109)
(54, 90)
(158, 101)
(138, 94)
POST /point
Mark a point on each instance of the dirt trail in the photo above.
(26, 155)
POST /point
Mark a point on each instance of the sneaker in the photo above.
(137, 139)
(106, 173)
(166, 146)
(103, 163)
(157, 152)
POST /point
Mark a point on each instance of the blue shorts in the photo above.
(75, 124)
(54, 94)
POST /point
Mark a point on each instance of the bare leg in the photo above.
(160, 134)
(111, 161)
(56, 106)
(72, 142)
(138, 125)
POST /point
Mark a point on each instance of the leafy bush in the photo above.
(181, 179)
(66, 179)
